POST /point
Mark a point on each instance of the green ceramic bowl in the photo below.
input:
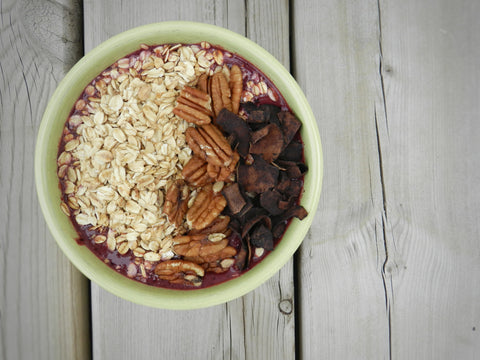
(59, 108)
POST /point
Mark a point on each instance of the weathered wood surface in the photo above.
(254, 327)
(393, 270)
(391, 266)
(44, 303)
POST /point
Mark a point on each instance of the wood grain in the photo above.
(259, 325)
(343, 312)
(393, 270)
(44, 302)
(430, 145)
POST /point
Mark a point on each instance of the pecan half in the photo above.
(195, 172)
(219, 225)
(206, 208)
(220, 93)
(223, 173)
(208, 143)
(210, 255)
(200, 248)
(180, 272)
(221, 262)
(194, 106)
(236, 87)
(176, 203)
(202, 83)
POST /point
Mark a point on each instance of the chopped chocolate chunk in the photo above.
(258, 177)
(269, 201)
(234, 125)
(235, 199)
(262, 237)
(290, 125)
(293, 152)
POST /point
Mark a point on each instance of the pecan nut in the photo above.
(208, 143)
(219, 225)
(180, 272)
(195, 172)
(202, 83)
(194, 106)
(220, 93)
(206, 208)
(236, 87)
(199, 248)
(176, 203)
(218, 262)
(212, 256)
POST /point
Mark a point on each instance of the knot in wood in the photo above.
(285, 306)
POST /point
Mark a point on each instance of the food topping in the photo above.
(181, 160)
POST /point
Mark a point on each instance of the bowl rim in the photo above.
(45, 164)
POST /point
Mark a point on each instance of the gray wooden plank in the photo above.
(44, 303)
(251, 327)
(393, 271)
(430, 143)
(343, 303)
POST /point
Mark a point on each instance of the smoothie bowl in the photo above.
(178, 165)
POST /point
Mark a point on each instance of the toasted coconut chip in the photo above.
(258, 177)
(237, 127)
(289, 124)
(253, 217)
(269, 201)
(235, 199)
(262, 237)
(267, 142)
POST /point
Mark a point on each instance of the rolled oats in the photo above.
(128, 145)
